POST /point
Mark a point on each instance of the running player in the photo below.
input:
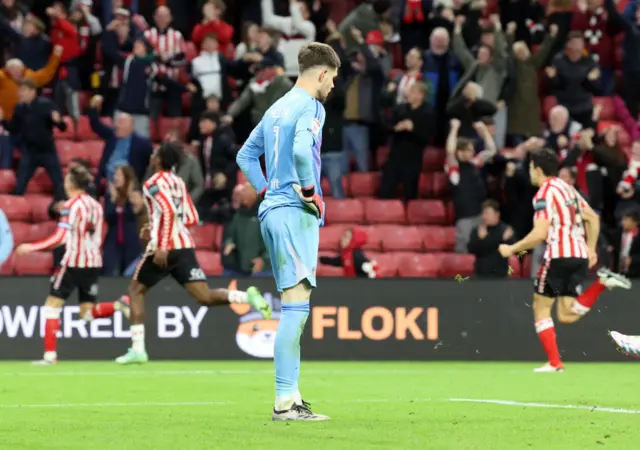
(171, 251)
(562, 217)
(290, 135)
(80, 230)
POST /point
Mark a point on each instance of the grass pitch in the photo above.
(226, 405)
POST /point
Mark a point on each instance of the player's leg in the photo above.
(543, 299)
(87, 296)
(52, 308)
(292, 237)
(186, 270)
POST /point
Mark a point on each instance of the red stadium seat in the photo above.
(84, 98)
(38, 207)
(21, 232)
(326, 187)
(425, 185)
(453, 264)
(608, 110)
(387, 264)
(364, 184)
(423, 212)
(433, 159)
(440, 184)
(217, 243)
(93, 151)
(14, 207)
(40, 183)
(7, 181)
(330, 237)
(85, 133)
(401, 239)
(8, 267)
(67, 150)
(204, 236)
(418, 265)
(374, 237)
(69, 133)
(547, 104)
(344, 211)
(36, 263)
(438, 239)
(190, 51)
(382, 154)
(42, 230)
(451, 212)
(209, 261)
(179, 124)
(384, 211)
(516, 269)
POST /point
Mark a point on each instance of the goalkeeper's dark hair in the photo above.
(80, 177)
(169, 154)
(547, 160)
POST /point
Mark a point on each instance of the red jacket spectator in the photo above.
(213, 24)
(598, 32)
(64, 33)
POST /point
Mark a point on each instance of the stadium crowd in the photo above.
(425, 144)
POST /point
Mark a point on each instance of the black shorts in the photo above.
(182, 266)
(561, 277)
(66, 279)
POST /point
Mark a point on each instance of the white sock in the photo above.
(285, 402)
(137, 338)
(50, 356)
(88, 317)
(237, 297)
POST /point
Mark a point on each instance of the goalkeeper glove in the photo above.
(312, 200)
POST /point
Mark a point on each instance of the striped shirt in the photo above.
(171, 211)
(167, 46)
(561, 205)
(80, 230)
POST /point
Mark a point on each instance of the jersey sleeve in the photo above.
(542, 205)
(168, 217)
(69, 215)
(308, 134)
(191, 217)
(248, 158)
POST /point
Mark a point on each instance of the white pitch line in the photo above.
(112, 405)
(547, 405)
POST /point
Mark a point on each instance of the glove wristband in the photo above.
(309, 191)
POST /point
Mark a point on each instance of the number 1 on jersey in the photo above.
(276, 132)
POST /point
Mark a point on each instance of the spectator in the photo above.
(332, 155)
(441, 71)
(528, 17)
(352, 259)
(398, 88)
(212, 23)
(469, 108)
(365, 18)
(463, 169)
(117, 44)
(525, 104)
(244, 251)
(32, 125)
(121, 145)
(6, 238)
(560, 131)
(65, 34)
(169, 46)
(485, 240)
(15, 14)
(573, 77)
(626, 245)
(249, 42)
(414, 23)
(630, 23)
(188, 169)
(211, 104)
(14, 73)
(366, 76)
(89, 30)
(32, 46)
(593, 22)
(123, 210)
(117, 12)
(320, 18)
(627, 188)
(263, 91)
(411, 124)
(211, 70)
(613, 166)
(218, 162)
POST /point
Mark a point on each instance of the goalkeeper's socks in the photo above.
(547, 335)
(51, 327)
(287, 352)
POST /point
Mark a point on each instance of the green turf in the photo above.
(226, 405)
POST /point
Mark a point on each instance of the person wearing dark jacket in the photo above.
(485, 240)
(469, 108)
(116, 44)
(352, 259)
(332, 155)
(626, 244)
(218, 161)
(629, 21)
(32, 126)
(574, 79)
(411, 124)
(32, 46)
(121, 144)
(244, 252)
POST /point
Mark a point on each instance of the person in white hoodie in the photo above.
(210, 68)
(297, 31)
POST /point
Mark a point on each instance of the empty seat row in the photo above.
(376, 211)
(432, 159)
(393, 238)
(367, 184)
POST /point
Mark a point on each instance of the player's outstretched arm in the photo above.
(536, 237)
(248, 159)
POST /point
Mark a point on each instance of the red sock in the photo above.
(547, 335)
(589, 297)
(103, 310)
(51, 327)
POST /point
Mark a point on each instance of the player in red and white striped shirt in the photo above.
(570, 228)
(171, 250)
(169, 45)
(80, 230)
